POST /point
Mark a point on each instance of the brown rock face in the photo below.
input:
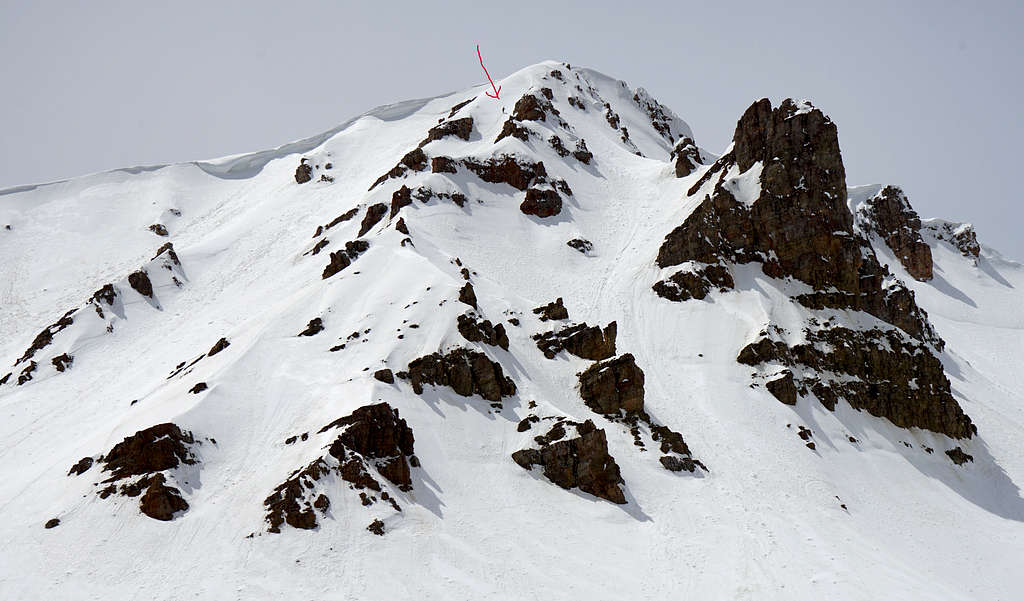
(696, 283)
(889, 214)
(461, 128)
(343, 258)
(958, 456)
(961, 235)
(894, 377)
(783, 388)
(314, 327)
(800, 227)
(141, 460)
(467, 295)
(475, 330)
(541, 202)
(62, 362)
(507, 169)
(81, 467)
(160, 501)
(304, 172)
(373, 435)
(384, 375)
(586, 342)
(552, 311)
(802, 202)
(140, 282)
(218, 347)
(686, 156)
(157, 448)
(465, 371)
(613, 386)
(44, 338)
(581, 462)
(401, 198)
(374, 213)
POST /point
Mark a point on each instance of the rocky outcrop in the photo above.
(400, 199)
(414, 160)
(141, 283)
(506, 169)
(384, 375)
(465, 371)
(582, 462)
(62, 362)
(783, 388)
(467, 295)
(343, 258)
(541, 202)
(695, 281)
(460, 128)
(314, 327)
(218, 347)
(614, 386)
(586, 342)
(159, 229)
(141, 462)
(686, 157)
(554, 310)
(960, 235)
(373, 437)
(474, 329)
(889, 215)
(320, 229)
(374, 213)
(958, 456)
(304, 172)
(796, 224)
(45, 337)
(580, 244)
(884, 372)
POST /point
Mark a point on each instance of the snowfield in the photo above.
(879, 518)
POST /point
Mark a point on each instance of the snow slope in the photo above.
(770, 519)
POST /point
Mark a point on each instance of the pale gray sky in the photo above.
(926, 94)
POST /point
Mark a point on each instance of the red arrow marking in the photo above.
(497, 90)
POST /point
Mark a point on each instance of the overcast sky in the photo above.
(925, 98)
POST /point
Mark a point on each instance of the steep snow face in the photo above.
(291, 313)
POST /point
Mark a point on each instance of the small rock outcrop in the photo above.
(883, 372)
(474, 329)
(460, 128)
(373, 439)
(343, 258)
(465, 371)
(374, 213)
(314, 327)
(541, 202)
(141, 283)
(218, 347)
(889, 214)
(582, 462)
(304, 172)
(686, 157)
(958, 456)
(467, 295)
(961, 235)
(586, 342)
(143, 461)
(695, 281)
(614, 386)
(554, 310)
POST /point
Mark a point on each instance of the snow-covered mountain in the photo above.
(545, 346)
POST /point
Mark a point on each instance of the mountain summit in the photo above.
(546, 345)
